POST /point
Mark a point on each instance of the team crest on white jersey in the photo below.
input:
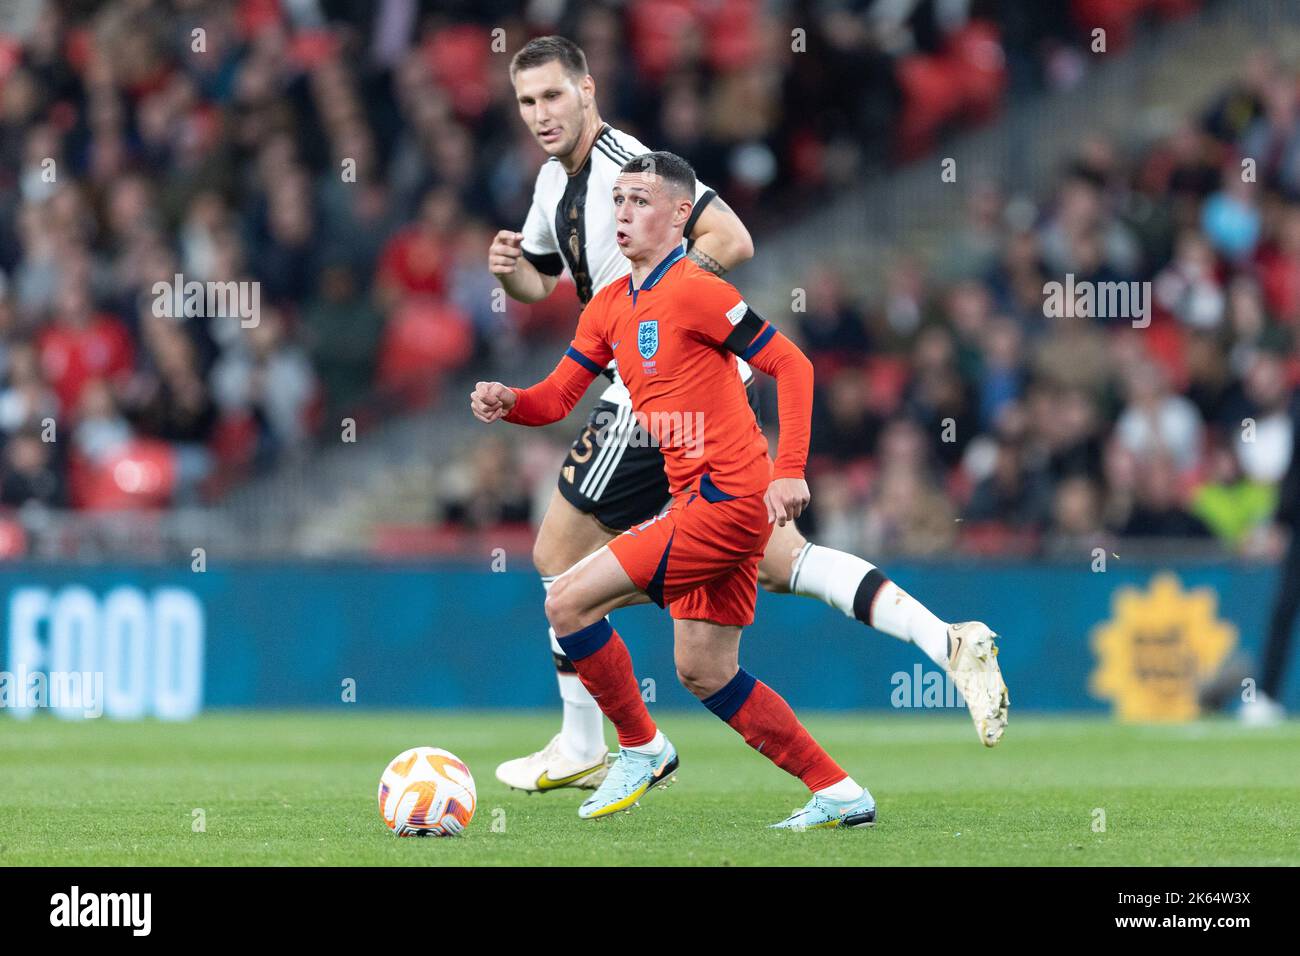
(647, 338)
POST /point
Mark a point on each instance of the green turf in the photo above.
(300, 789)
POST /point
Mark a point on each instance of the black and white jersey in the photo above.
(571, 225)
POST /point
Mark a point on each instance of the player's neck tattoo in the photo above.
(706, 261)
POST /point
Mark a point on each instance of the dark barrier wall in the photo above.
(169, 642)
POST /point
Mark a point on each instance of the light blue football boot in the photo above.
(822, 812)
(630, 776)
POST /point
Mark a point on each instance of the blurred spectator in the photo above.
(414, 261)
(1231, 218)
(1157, 421)
(342, 332)
(267, 378)
(1279, 266)
(1002, 372)
(832, 328)
(1076, 518)
(1015, 495)
(31, 472)
(844, 426)
(907, 512)
(80, 345)
(1157, 512)
(169, 399)
(101, 431)
(1231, 505)
(939, 399)
(1188, 287)
(1264, 450)
(26, 400)
(485, 489)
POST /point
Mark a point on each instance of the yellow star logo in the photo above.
(1157, 649)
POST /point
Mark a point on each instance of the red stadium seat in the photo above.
(981, 68)
(425, 540)
(965, 82)
(994, 539)
(13, 539)
(931, 97)
(141, 475)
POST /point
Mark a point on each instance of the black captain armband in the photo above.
(547, 263)
(750, 334)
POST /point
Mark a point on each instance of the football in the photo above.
(425, 791)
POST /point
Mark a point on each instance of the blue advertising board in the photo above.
(169, 642)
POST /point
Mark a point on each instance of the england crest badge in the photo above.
(647, 338)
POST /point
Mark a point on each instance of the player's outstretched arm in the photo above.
(548, 401)
(720, 240)
(788, 494)
(519, 277)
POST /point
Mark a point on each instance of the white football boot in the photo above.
(973, 667)
(550, 769)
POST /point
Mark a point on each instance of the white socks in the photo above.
(898, 613)
(654, 745)
(833, 577)
(582, 732)
(846, 789)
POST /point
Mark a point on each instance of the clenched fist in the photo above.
(785, 499)
(504, 253)
(490, 400)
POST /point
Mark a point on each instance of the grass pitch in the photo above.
(300, 789)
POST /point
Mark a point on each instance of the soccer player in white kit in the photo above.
(613, 477)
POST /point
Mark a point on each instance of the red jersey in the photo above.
(71, 356)
(674, 339)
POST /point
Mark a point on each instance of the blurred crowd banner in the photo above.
(1140, 640)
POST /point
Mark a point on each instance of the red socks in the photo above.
(765, 720)
(605, 669)
(754, 710)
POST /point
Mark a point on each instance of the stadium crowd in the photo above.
(1081, 428)
(353, 160)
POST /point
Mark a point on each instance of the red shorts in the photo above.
(700, 557)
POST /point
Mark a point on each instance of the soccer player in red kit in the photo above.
(675, 330)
